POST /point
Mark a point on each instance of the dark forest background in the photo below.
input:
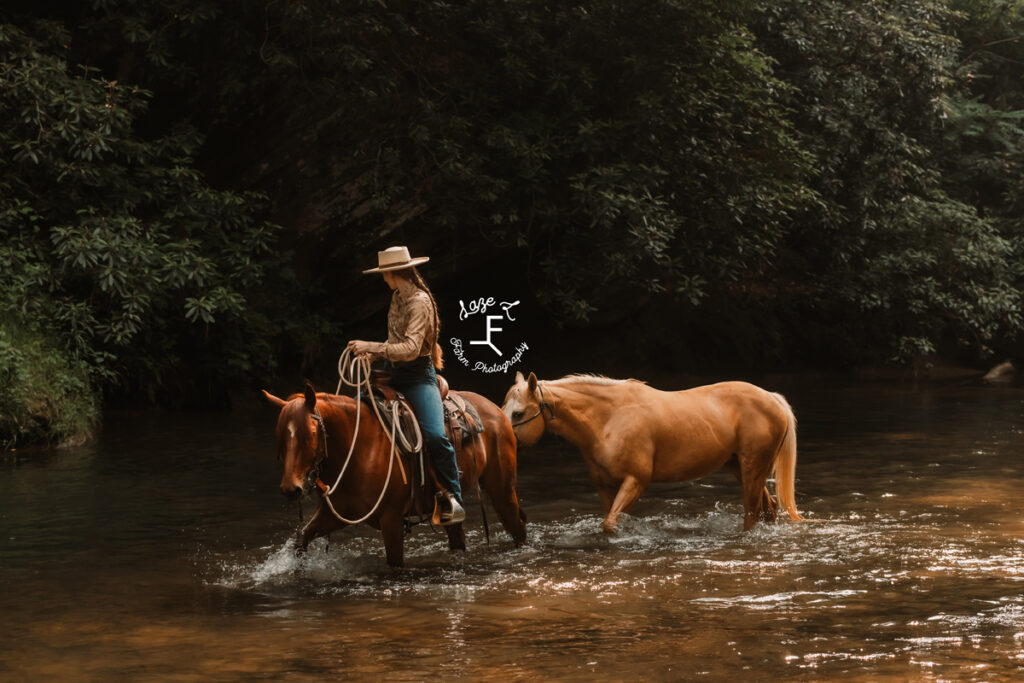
(190, 188)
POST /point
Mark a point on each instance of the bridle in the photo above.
(321, 445)
(540, 409)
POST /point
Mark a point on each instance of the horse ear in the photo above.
(310, 397)
(532, 382)
(519, 377)
(274, 399)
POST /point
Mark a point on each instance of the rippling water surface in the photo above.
(163, 552)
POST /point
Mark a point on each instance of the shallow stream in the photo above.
(163, 552)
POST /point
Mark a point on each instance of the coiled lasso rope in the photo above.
(354, 371)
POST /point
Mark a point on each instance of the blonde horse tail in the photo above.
(785, 463)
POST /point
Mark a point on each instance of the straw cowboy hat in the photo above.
(395, 258)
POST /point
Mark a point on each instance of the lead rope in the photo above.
(355, 372)
(391, 466)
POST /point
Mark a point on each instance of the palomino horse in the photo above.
(631, 434)
(309, 456)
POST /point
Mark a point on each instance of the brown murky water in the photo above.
(162, 553)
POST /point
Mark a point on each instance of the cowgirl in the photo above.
(412, 353)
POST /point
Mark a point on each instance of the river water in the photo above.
(162, 552)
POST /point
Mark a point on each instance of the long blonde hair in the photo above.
(413, 275)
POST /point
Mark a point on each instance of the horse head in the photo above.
(299, 445)
(526, 408)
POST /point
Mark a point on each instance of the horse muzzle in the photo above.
(293, 487)
(291, 491)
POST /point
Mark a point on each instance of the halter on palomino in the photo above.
(540, 409)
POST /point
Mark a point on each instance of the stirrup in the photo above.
(456, 515)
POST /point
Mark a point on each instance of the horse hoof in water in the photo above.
(301, 548)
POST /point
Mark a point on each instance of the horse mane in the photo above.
(320, 396)
(590, 378)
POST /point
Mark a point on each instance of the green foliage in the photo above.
(982, 147)
(982, 143)
(116, 243)
(675, 171)
(991, 33)
(629, 149)
(45, 395)
(888, 257)
(836, 177)
(663, 153)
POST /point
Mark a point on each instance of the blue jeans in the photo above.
(417, 380)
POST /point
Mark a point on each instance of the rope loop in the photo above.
(354, 371)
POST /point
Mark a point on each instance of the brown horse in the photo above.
(310, 456)
(631, 434)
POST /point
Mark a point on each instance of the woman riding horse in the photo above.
(411, 355)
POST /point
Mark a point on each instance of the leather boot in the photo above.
(447, 510)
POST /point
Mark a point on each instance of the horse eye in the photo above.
(516, 414)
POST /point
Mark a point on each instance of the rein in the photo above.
(540, 409)
(355, 372)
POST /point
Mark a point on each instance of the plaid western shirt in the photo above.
(410, 326)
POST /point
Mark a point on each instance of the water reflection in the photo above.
(164, 552)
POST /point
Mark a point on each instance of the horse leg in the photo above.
(606, 487)
(456, 536)
(751, 505)
(498, 479)
(754, 474)
(629, 493)
(393, 531)
(506, 504)
(320, 524)
(767, 506)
